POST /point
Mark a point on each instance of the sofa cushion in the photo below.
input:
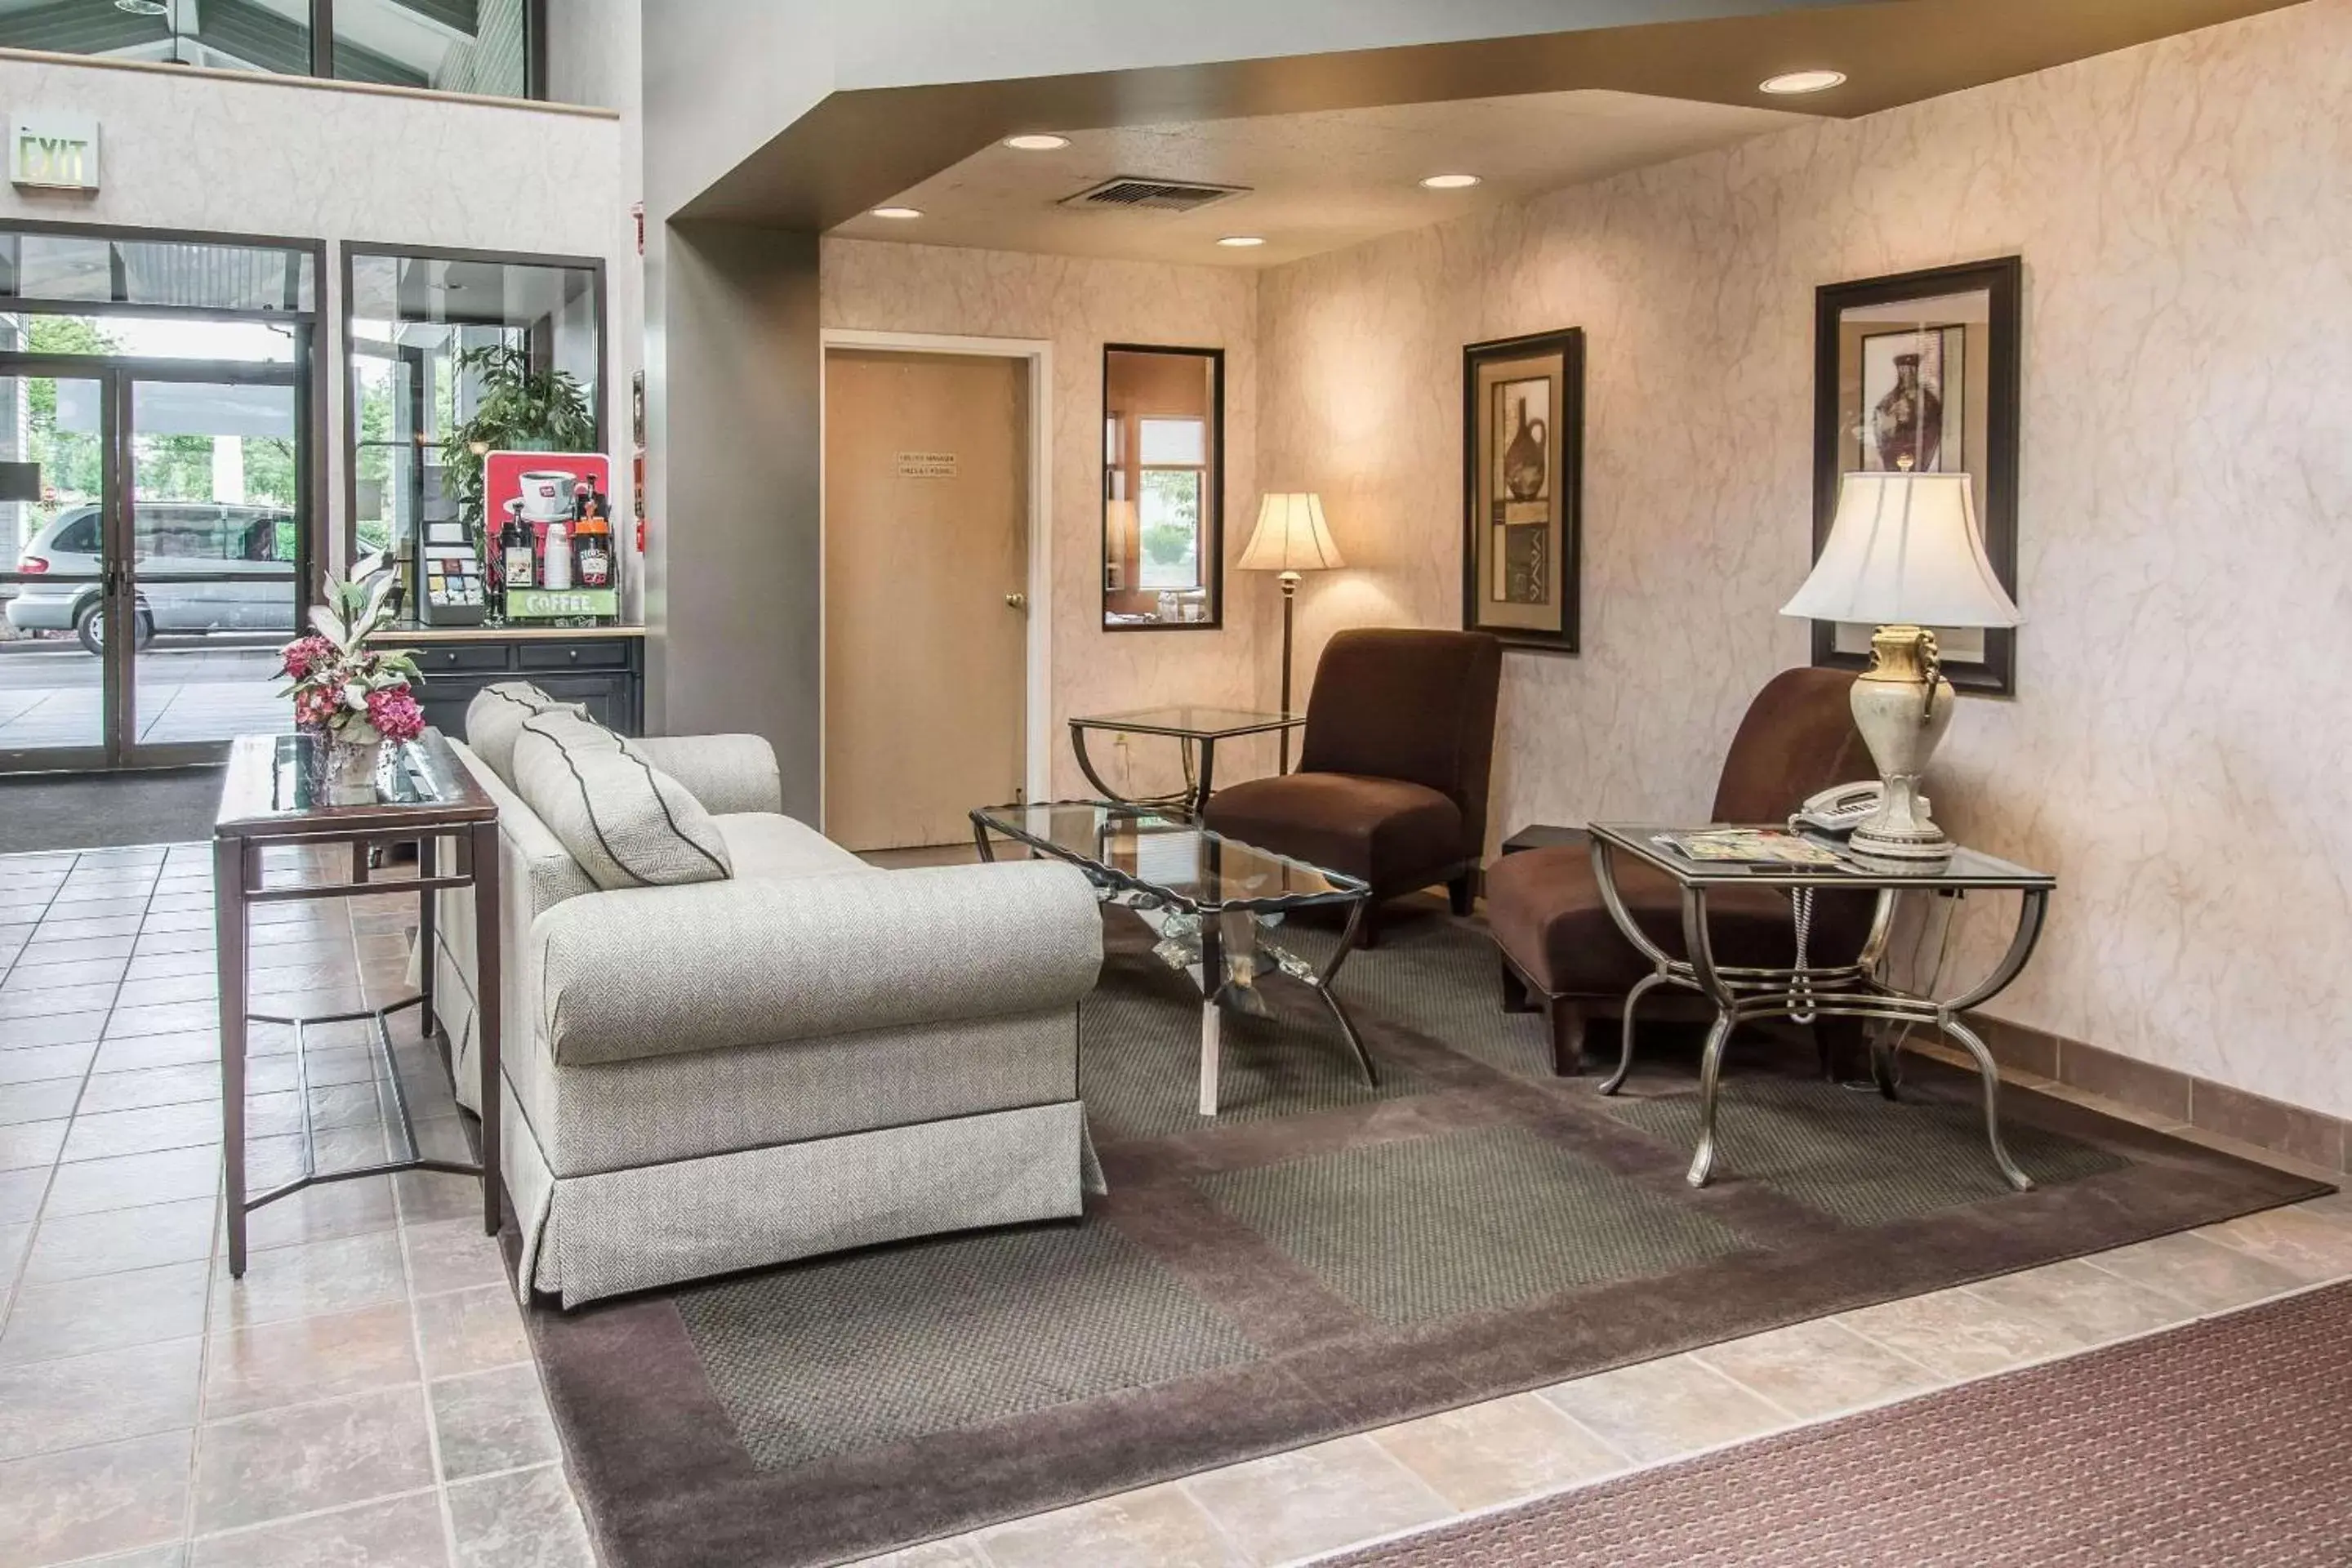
(628, 824)
(1394, 835)
(767, 847)
(496, 716)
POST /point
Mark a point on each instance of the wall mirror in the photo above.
(1163, 484)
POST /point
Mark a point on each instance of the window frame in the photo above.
(349, 361)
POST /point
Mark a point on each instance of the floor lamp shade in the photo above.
(1291, 537)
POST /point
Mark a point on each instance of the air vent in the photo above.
(1134, 194)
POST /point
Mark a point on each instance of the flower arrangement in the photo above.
(356, 696)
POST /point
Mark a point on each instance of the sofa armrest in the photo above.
(714, 965)
(726, 774)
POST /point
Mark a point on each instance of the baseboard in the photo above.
(2310, 1136)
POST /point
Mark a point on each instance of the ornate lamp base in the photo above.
(1902, 705)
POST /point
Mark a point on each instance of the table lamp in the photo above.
(1291, 537)
(1904, 553)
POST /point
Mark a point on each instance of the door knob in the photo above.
(1017, 601)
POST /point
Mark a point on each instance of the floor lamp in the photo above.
(1291, 537)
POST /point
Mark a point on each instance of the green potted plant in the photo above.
(516, 409)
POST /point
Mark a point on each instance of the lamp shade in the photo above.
(1904, 550)
(1290, 536)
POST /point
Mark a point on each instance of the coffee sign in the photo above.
(54, 152)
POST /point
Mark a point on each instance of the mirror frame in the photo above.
(1212, 525)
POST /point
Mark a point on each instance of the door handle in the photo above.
(1017, 601)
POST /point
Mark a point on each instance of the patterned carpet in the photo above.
(2218, 1446)
(1321, 1257)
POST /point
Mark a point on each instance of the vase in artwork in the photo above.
(353, 754)
(1908, 424)
(1523, 460)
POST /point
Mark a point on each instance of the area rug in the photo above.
(2217, 1446)
(1321, 1257)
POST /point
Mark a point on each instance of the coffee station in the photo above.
(540, 600)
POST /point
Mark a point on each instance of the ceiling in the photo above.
(858, 147)
(1316, 181)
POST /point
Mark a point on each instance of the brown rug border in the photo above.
(665, 1483)
(1777, 1463)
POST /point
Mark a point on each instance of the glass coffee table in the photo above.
(1211, 897)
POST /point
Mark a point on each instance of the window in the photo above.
(412, 315)
(452, 45)
(1162, 526)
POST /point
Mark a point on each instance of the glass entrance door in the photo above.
(58, 571)
(153, 543)
(214, 469)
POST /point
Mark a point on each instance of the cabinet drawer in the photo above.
(599, 654)
(461, 656)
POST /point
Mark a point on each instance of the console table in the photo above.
(1849, 991)
(272, 796)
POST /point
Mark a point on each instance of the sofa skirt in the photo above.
(585, 1237)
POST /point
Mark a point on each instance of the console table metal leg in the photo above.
(1641, 987)
(228, 936)
(1710, 1080)
(1212, 981)
(1990, 1074)
(483, 852)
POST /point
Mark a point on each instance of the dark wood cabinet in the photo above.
(604, 672)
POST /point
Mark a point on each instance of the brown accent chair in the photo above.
(1563, 951)
(1392, 772)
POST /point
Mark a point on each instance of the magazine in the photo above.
(1748, 847)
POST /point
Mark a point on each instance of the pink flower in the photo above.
(315, 705)
(304, 654)
(394, 713)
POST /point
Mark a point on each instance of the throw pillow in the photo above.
(627, 822)
(496, 717)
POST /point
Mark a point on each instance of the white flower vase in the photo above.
(355, 753)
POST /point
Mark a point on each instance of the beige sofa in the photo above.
(807, 1055)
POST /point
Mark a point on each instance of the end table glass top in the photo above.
(1191, 718)
(1168, 855)
(273, 778)
(1966, 868)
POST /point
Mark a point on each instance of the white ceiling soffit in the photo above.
(1316, 181)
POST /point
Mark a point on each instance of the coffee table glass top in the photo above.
(1194, 720)
(1966, 868)
(1167, 855)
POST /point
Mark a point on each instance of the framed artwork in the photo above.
(1922, 372)
(1522, 485)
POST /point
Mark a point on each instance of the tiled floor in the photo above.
(365, 1394)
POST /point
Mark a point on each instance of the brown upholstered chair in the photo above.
(1391, 780)
(1561, 949)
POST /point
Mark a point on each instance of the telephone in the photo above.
(1842, 807)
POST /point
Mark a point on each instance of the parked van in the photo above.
(239, 561)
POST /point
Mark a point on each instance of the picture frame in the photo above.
(1925, 368)
(1163, 473)
(1523, 489)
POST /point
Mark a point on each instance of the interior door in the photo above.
(215, 469)
(926, 577)
(59, 570)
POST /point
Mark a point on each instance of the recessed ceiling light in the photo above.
(1037, 141)
(1243, 241)
(144, 8)
(1802, 81)
(899, 212)
(1450, 182)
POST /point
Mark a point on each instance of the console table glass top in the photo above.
(1196, 729)
(1967, 868)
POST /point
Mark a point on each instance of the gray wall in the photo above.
(732, 601)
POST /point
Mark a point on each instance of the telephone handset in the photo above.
(1842, 807)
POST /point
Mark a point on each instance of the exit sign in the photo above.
(53, 152)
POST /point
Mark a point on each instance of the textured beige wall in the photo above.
(1079, 305)
(2178, 752)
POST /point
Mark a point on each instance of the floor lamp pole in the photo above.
(1289, 602)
